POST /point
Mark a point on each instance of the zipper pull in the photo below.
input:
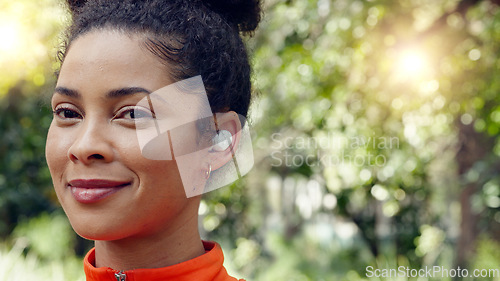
(120, 276)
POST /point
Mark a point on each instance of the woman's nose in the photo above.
(91, 144)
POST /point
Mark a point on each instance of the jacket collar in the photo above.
(208, 266)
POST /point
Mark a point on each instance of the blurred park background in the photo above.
(375, 133)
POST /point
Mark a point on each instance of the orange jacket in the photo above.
(207, 267)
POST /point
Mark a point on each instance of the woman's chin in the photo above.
(95, 232)
(97, 235)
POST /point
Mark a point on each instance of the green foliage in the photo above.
(338, 81)
(41, 250)
(16, 266)
(488, 256)
(38, 231)
(25, 184)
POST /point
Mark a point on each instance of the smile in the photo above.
(94, 190)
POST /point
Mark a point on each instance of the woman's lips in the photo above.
(93, 190)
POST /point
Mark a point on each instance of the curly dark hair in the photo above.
(191, 37)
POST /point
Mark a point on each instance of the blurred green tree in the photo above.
(29, 32)
(376, 126)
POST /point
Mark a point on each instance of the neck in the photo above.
(171, 246)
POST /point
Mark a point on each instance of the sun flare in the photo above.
(10, 43)
(412, 63)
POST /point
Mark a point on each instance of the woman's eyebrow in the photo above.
(126, 91)
(67, 92)
(111, 94)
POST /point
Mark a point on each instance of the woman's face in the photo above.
(107, 188)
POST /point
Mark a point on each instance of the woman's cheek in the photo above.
(51, 148)
(56, 151)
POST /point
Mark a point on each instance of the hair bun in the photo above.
(246, 14)
(75, 5)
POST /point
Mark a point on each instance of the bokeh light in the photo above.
(412, 63)
(9, 32)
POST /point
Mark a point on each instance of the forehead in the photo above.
(112, 58)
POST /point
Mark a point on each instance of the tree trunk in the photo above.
(473, 147)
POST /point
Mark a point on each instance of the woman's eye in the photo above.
(66, 113)
(135, 113)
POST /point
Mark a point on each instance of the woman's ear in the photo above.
(225, 143)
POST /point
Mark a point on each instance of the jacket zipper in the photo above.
(120, 276)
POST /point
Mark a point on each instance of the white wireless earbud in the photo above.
(222, 140)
